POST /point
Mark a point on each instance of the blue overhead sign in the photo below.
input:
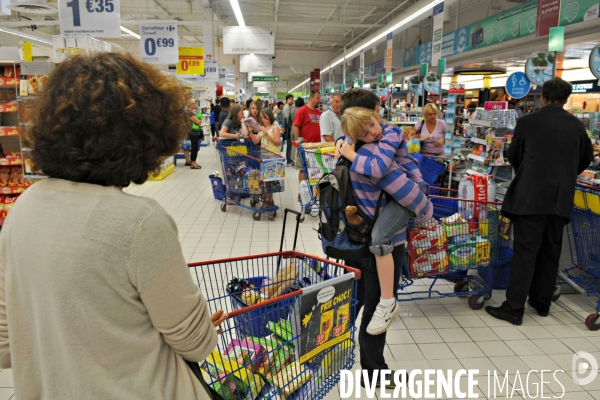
(517, 85)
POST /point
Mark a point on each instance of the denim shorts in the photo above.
(391, 219)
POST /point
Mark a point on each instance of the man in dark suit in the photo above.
(548, 150)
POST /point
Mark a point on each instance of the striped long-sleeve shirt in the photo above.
(387, 165)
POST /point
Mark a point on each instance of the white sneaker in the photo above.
(382, 318)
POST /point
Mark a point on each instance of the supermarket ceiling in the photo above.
(299, 26)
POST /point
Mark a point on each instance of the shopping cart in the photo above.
(316, 162)
(260, 354)
(447, 250)
(584, 243)
(430, 168)
(250, 171)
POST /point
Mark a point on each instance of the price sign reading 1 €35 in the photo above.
(99, 18)
(158, 43)
(191, 61)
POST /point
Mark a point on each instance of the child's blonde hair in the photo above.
(409, 131)
(354, 120)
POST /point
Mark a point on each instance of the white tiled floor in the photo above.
(438, 334)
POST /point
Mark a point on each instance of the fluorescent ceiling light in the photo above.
(238, 12)
(230, 84)
(378, 37)
(25, 35)
(129, 32)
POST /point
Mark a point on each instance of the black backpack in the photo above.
(341, 240)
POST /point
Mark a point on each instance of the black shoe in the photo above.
(390, 377)
(540, 310)
(499, 313)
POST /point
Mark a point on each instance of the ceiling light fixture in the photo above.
(25, 35)
(129, 32)
(230, 84)
(399, 25)
(238, 12)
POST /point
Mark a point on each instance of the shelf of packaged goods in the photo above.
(8, 107)
(8, 83)
(476, 158)
(11, 160)
(13, 189)
(478, 141)
(481, 122)
(9, 131)
(401, 122)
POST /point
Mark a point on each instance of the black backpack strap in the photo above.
(381, 194)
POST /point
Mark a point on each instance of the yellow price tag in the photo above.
(191, 61)
(27, 52)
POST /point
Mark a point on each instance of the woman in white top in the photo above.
(270, 139)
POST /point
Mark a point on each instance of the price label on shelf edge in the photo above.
(97, 18)
(158, 43)
(191, 61)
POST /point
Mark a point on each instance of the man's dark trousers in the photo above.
(369, 292)
(537, 245)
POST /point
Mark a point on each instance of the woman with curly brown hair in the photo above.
(103, 306)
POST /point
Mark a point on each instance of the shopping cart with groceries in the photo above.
(316, 160)
(584, 243)
(290, 325)
(250, 171)
(465, 234)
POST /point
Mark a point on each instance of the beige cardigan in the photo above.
(96, 300)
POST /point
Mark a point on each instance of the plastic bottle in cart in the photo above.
(304, 193)
(466, 191)
(491, 189)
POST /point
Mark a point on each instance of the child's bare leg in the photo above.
(385, 271)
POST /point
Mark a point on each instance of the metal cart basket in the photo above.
(258, 355)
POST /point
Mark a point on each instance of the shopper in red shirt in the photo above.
(306, 122)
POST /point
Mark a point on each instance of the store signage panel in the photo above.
(211, 70)
(517, 85)
(595, 61)
(574, 11)
(438, 28)
(256, 63)
(495, 105)
(548, 13)
(159, 43)
(256, 78)
(191, 61)
(511, 24)
(97, 18)
(388, 53)
(585, 87)
(539, 68)
(415, 85)
(248, 39)
(432, 83)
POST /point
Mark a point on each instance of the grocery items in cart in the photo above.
(290, 326)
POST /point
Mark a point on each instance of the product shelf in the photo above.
(8, 107)
(481, 122)
(12, 160)
(478, 141)
(9, 131)
(9, 83)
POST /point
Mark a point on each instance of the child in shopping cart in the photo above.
(385, 159)
(269, 138)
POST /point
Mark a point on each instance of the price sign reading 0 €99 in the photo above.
(98, 18)
(191, 61)
(158, 43)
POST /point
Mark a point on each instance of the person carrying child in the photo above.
(269, 138)
(385, 159)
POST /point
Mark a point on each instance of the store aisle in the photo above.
(438, 334)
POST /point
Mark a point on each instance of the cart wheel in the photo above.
(476, 302)
(256, 216)
(556, 293)
(274, 213)
(271, 216)
(462, 286)
(301, 218)
(253, 202)
(223, 207)
(487, 296)
(592, 322)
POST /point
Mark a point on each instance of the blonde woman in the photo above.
(431, 131)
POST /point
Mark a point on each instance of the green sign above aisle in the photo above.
(574, 11)
(511, 24)
(265, 78)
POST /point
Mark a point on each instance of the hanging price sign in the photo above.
(191, 61)
(98, 18)
(158, 43)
